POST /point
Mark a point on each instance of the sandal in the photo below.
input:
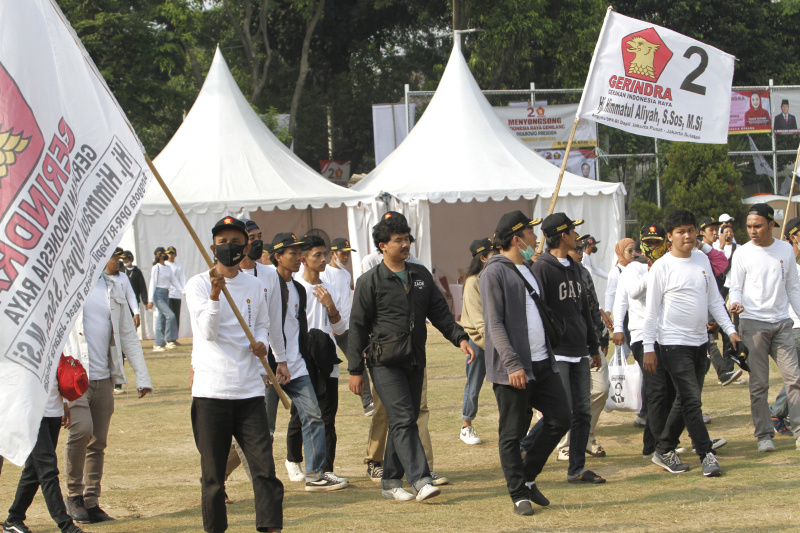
(587, 477)
(596, 451)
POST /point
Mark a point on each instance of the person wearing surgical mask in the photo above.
(227, 387)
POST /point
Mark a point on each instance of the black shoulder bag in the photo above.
(395, 349)
(554, 325)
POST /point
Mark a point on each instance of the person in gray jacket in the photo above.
(519, 360)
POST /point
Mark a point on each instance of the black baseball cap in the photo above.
(282, 241)
(792, 227)
(159, 250)
(557, 223)
(127, 254)
(249, 225)
(707, 222)
(653, 231)
(480, 246)
(172, 250)
(513, 222)
(229, 222)
(589, 240)
(340, 244)
(118, 252)
(739, 356)
(394, 214)
(762, 210)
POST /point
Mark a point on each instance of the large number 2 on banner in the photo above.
(688, 84)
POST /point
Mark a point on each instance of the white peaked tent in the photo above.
(459, 157)
(224, 160)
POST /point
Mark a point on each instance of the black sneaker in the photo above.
(325, 484)
(72, 528)
(729, 377)
(711, 465)
(716, 444)
(781, 427)
(76, 509)
(438, 481)
(537, 497)
(523, 507)
(96, 514)
(15, 527)
(671, 462)
(375, 471)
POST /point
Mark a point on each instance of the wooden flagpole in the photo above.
(791, 190)
(196, 239)
(560, 176)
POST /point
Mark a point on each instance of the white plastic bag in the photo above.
(625, 384)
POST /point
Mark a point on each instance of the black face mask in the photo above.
(229, 254)
(256, 249)
(594, 249)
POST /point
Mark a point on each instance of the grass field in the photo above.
(152, 470)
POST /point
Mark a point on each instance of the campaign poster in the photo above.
(547, 126)
(750, 112)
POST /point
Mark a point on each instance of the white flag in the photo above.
(652, 81)
(759, 161)
(72, 175)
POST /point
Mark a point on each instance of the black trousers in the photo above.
(545, 394)
(214, 422)
(41, 469)
(175, 305)
(329, 406)
(686, 366)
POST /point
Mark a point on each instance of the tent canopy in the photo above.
(224, 157)
(461, 151)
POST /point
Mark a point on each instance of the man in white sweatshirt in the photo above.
(764, 282)
(681, 291)
(227, 390)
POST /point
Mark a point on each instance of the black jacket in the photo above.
(381, 308)
(565, 294)
(137, 282)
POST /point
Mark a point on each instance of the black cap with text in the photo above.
(708, 222)
(512, 222)
(340, 244)
(762, 210)
(557, 223)
(653, 231)
(480, 246)
(281, 241)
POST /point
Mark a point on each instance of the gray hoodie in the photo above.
(504, 299)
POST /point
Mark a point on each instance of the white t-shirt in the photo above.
(162, 277)
(291, 330)
(97, 330)
(593, 269)
(272, 296)
(536, 336)
(792, 314)
(611, 288)
(224, 367)
(680, 294)
(630, 299)
(176, 292)
(317, 315)
(339, 278)
(55, 403)
(764, 281)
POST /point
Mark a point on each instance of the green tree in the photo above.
(700, 178)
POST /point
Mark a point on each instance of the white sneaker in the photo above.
(336, 478)
(428, 491)
(563, 454)
(158, 349)
(469, 436)
(295, 472)
(766, 445)
(171, 346)
(399, 494)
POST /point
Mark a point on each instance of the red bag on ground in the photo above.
(73, 381)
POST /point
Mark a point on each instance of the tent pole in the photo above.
(560, 175)
(204, 253)
(791, 190)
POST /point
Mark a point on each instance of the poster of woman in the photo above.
(750, 112)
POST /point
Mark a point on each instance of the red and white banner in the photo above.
(337, 172)
(72, 175)
(543, 126)
(750, 112)
(651, 81)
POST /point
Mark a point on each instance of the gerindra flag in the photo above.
(71, 179)
(652, 81)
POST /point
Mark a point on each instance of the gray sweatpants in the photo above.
(776, 340)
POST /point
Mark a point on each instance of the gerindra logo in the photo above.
(645, 55)
(21, 140)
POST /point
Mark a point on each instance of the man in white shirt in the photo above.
(298, 371)
(103, 331)
(764, 283)
(590, 247)
(325, 316)
(681, 291)
(227, 388)
(176, 293)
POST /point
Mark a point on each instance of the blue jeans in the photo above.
(476, 373)
(780, 409)
(167, 324)
(400, 390)
(301, 391)
(577, 383)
